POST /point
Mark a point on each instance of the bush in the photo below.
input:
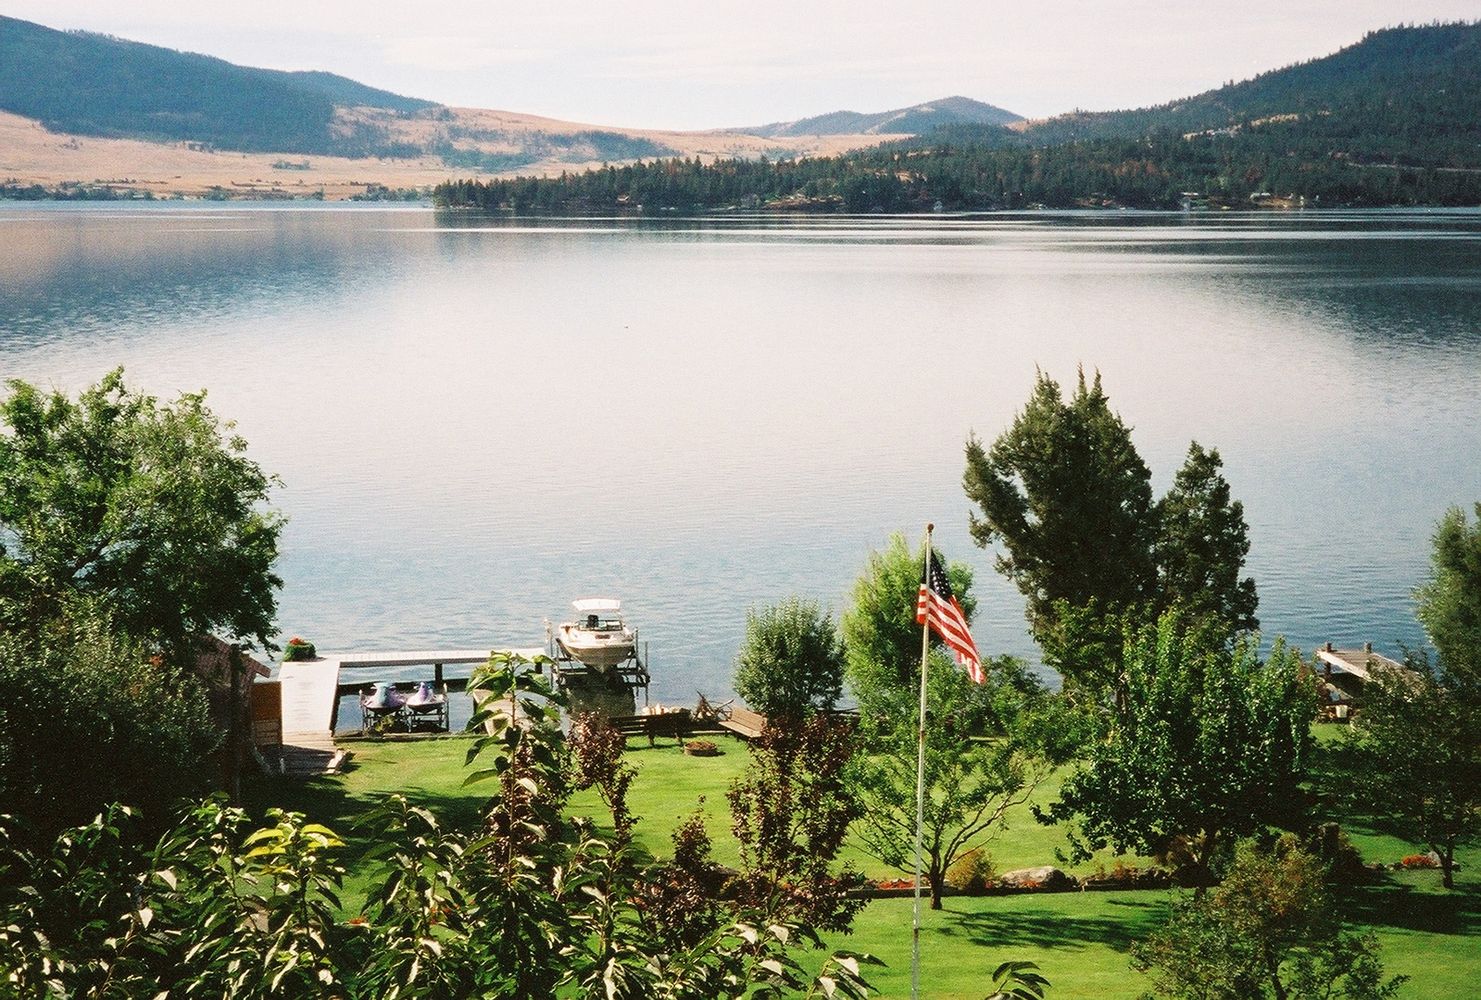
(1344, 864)
(1271, 931)
(87, 719)
(299, 649)
(1124, 876)
(791, 662)
(535, 904)
(972, 872)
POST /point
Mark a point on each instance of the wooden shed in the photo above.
(229, 676)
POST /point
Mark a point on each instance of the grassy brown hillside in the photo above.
(30, 155)
(88, 112)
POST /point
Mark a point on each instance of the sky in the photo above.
(693, 64)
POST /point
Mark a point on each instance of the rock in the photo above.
(1045, 877)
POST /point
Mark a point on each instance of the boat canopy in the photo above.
(591, 605)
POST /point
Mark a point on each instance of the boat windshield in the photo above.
(598, 614)
(601, 623)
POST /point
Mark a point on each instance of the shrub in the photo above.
(121, 725)
(972, 872)
(679, 898)
(1330, 843)
(791, 662)
(1269, 932)
(298, 649)
(537, 904)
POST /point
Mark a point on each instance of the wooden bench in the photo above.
(746, 724)
(674, 724)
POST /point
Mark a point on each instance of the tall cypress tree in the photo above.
(1069, 498)
(1201, 545)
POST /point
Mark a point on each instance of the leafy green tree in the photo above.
(1270, 931)
(1418, 768)
(1417, 739)
(882, 641)
(973, 777)
(1202, 541)
(153, 511)
(790, 663)
(1208, 744)
(1070, 500)
(1450, 601)
(88, 718)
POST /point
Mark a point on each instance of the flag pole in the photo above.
(920, 777)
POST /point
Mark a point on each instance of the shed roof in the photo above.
(213, 656)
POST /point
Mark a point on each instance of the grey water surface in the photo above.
(476, 420)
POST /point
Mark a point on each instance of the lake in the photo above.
(477, 420)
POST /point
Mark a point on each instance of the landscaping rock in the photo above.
(1045, 878)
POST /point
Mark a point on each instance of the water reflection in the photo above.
(478, 419)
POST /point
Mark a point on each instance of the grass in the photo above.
(1080, 940)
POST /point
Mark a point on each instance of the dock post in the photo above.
(437, 674)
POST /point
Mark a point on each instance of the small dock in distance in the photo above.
(311, 689)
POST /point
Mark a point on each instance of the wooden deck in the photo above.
(1357, 662)
(310, 696)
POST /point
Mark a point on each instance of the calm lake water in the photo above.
(476, 421)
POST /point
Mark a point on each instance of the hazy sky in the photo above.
(705, 63)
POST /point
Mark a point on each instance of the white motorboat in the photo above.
(598, 637)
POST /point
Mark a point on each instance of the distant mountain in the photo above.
(1394, 119)
(133, 100)
(90, 84)
(902, 121)
(1396, 89)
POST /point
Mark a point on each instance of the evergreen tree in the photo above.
(1202, 543)
(1450, 602)
(1066, 494)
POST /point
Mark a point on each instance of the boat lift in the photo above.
(568, 672)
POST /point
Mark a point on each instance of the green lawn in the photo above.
(1080, 940)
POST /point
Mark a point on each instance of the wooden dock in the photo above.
(311, 688)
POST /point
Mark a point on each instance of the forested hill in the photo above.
(901, 121)
(1393, 120)
(89, 84)
(1409, 83)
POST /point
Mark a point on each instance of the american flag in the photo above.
(938, 606)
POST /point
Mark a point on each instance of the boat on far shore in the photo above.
(598, 637)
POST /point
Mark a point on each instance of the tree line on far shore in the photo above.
(958, 171)
(130, 528)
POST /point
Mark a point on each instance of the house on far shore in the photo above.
(1344, 672)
